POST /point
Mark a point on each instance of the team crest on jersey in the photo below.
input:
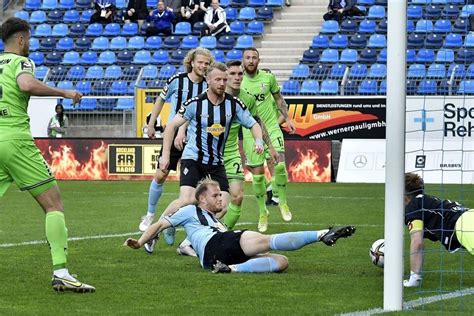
(216, 129)
(263, 86)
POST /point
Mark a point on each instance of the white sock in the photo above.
(64, 274)
(275, 199)
(321, 233)
(150, 214)
(269, 188)
(185, 243)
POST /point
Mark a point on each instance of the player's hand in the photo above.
(74, 95)
(132, 243)
(151, 132)
(413, 281)
(180, 140)
(291, 126)
(274, 155)
(258, 146)
(164, 163)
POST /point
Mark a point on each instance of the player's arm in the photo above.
(148, 234)
(283, 108)
(416, 253)
(267, 139)
(27, 83)
(155, 112)
(256, 131)
(168, 137)
(180, 138)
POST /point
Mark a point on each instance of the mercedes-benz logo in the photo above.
(360, 161)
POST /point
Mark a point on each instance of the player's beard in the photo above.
(251, 69)
(25, 51)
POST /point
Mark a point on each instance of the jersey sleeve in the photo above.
(188, 110)
(169, 89)
(24, 65)
(243, 115)
(413, 211)
(182, 216)
(274, 87)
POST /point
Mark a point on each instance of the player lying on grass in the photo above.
(438, 220)
(234, 251)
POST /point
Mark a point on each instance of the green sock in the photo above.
(232, 215)
(274, 188)
(259, 189)
(281, 179)
(56, 234)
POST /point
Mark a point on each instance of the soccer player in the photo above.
(437, 220)
(264, 87)
(232, 158)
(20, 159)
(234, 251)
(178, 89)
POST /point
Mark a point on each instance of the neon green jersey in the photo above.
(262, 86)
(14, 119)
(232, 143)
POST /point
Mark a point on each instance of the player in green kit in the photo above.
(232, 158)
(20, 159)
(264, 87)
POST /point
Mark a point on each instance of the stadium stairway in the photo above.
(290, 35)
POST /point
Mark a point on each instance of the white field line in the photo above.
(416, 303)
(107, 236)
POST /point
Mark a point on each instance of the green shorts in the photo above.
(22, 162)
(465, 230)
(254, 159)
(233, 167)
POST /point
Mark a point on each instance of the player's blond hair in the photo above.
(203, 186)
(192, 54)
(414, 184)
(217, 65)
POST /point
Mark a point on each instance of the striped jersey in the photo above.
(209, 126)
(180, 88)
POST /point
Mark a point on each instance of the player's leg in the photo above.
(465, 230)
(272, 191)
(260, 264)
(235, 175)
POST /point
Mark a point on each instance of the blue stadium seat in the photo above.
(442, 26)
(142, 57)
(131, 71)
(107, 58)
(339, 41)
(77, 30)
(367, 26)
(129, 29)
(153, 42)
(274, 3)
(238, 3)
(151, 3)
(24, 15)
(439, 1)
(320, 71)
(416, 71)
(377, 41)
(247, 14)
(444, 87)
(84, 87)
(330, 27)
(265, 14)
(231, 14)
(378, 71)
(57, 73)
(451, 12)
(310, 56)
(368, 56)
(112, 29)
(320, 41)
(381, 27)
(136, 43)
(348, 26)
(411, 87)
(197, 28)
(467, 10)
(38, 17)
(34, 44)
(329, 56)
(434, 41)
(182, 28)
(432, 12)
(349, 55)
(411, 56)
(358, 71)
(166, 71)
(60, 30)
(424, 26)
(66, 4)
(300, 71)
(425, 56)
(436, 71)
(309, 87)
(256, 3)
(383, 87)
(86, 16)
(461, 26)
(224, 3)
(290, 87)
(160, 57)
(100, 43)
(427, 87)
(358, 41)
(189, 42)
(368, 87)
(415, 40)
(244, 41)
(52, 59)
(376, 12)
(414, 12)
(226, 42)
(459, 71)
(101, 87)
(71, 58)
(119, 88)
(88, 105)
(329, 87)
(121, 4)
(469, 40)
(95, 72)
(237, 27)
(94, 29)
(43, 30)
(233, 55)
(453, 40)
(208, 42)
(421, 1)
(76, 73)
(177, 56)
(445, 56)
(125, 104)
(88, 58)
(71, 16)
(32, 4)
(37, 58)
(219, 55)
(113, 72)
(337, 71)
(469, 73)
(255, 28)
(41, 72)
(118, 43)
(83, 43)
(366, 2)
(65, 84)
(171, 42)
(464, 56)
(410, 26)
(150, 72)
(49, 4)
(144, 28)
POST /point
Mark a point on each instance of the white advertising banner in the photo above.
(40, 111)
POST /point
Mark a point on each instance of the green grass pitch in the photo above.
(321, 280)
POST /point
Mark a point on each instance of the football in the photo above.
(376, 252)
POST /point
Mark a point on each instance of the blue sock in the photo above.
(264, 264)
(293, 240)
(153, 196)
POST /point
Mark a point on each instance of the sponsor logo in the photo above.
(4, 112)
(360, 161)
(26, 65)
(420, 161)
(216, 129)
(450, 165)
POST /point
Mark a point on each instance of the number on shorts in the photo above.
(280, 141)
(237, 167)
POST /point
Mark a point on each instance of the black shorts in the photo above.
(175, 156)
(224, 247)
(192, 172)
